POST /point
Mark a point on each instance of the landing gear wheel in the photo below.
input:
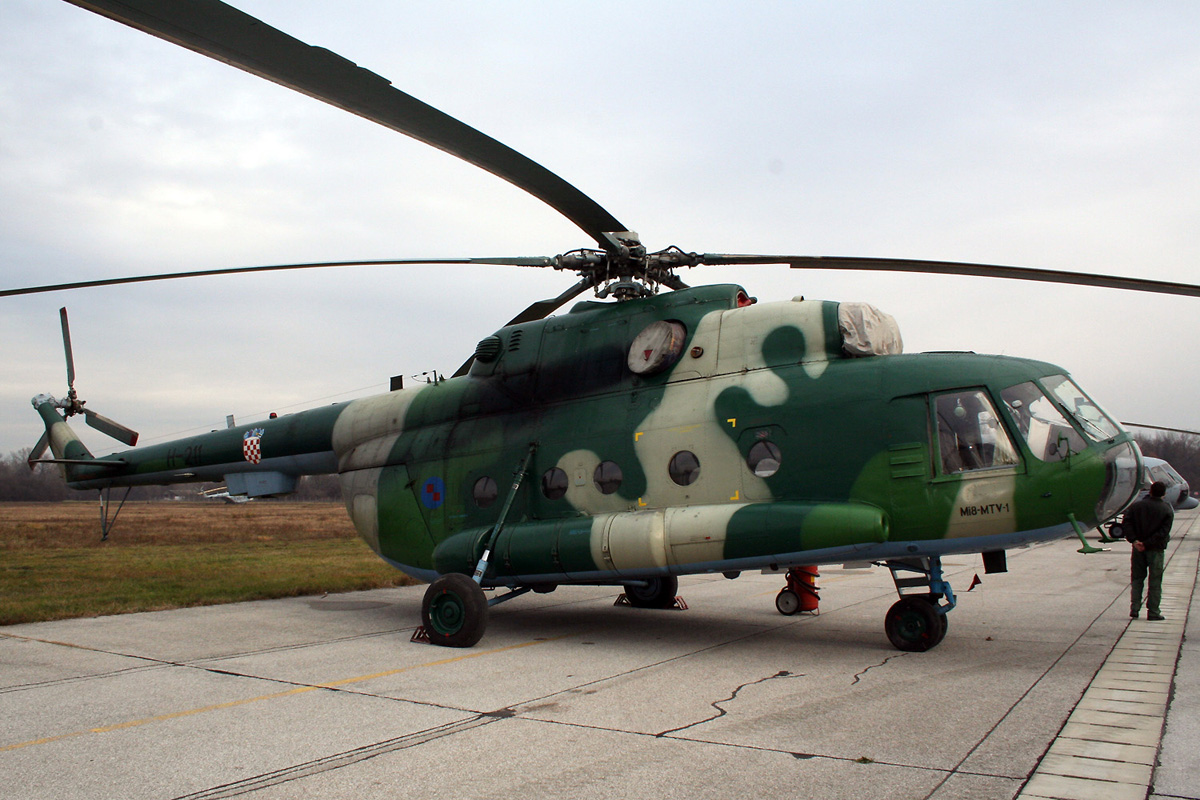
(657, 593)
(945, 620)
(914, 625)
(454, 611)
(787, 602)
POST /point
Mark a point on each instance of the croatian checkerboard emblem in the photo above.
(433, 493)
(252, 445)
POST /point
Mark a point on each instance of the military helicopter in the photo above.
(654, 435)
(1178, 492)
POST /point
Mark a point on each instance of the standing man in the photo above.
(1147, 525)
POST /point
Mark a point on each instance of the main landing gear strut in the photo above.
(917, 621)
(454, 610)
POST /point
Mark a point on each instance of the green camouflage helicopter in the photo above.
(660, 434)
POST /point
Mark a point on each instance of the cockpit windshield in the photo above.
(1095, 423)
(1049, 436)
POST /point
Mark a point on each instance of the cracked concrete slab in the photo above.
(570, 696)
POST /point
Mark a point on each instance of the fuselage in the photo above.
(687, 432)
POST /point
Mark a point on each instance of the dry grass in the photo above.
(74, 524)
(53, 564)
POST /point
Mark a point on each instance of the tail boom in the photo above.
(263, 458)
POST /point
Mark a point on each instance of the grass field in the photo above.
(171, 555)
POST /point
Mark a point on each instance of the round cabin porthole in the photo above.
(657, 347)
(607, 477)
(554, 483)
(485, 492)
(684, 468)
(763, 459)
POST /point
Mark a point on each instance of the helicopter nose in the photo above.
(1121, 484)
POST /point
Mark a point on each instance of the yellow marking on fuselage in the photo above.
(583, 494)
(737, 495)
(273, 696)
(685, 419)
(637, 436)
(732, 422)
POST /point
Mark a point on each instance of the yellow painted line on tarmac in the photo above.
(273, 696)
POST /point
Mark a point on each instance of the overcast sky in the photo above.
(1062, 135)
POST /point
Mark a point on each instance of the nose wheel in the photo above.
(917, 621)
(914, 624)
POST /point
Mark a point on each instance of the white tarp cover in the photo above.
(867, 331)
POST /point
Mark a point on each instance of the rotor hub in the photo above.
(625, 271)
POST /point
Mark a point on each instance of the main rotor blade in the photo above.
(1160, 428)
(226, 34)
(107, 426)
(958, 268)
(66, 331)
(539, 310)
(535, 261)
(544, 308)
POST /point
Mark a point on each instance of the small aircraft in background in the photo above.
(1179, 494)
(222, 493)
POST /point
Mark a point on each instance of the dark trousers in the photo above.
(1147, 561)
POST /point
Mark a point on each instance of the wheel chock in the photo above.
(420, 635)
(678, 604)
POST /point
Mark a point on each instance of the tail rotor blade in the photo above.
(66, 331)
(73, 405)
(114, 429)
(38, 450)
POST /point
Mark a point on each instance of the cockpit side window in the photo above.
(970, 435)
(1049, 436)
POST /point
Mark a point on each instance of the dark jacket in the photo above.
(1149, 521)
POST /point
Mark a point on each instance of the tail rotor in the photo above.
(72, 405)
